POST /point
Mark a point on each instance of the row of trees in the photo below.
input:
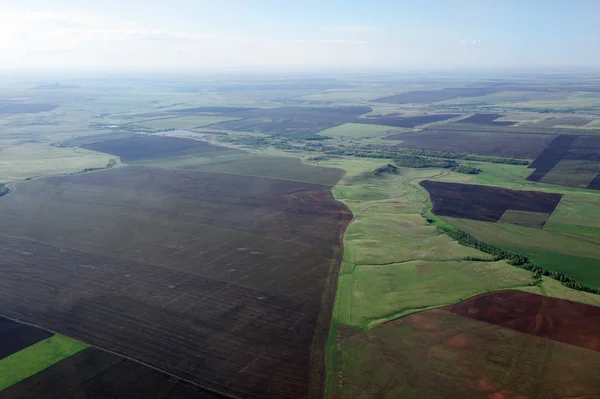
(468, 240)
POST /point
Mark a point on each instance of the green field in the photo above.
(36, 358)
(371, 294)
(359, 131)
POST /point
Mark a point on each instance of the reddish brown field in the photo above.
(485, 143)
(470, 201)
(569, 322)
(443, 354)
(225, 281)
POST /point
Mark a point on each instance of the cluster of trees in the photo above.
(468, 240)
(3, 189)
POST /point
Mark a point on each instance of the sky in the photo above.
(202, 34)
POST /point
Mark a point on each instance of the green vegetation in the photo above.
(534, 220)
(36, 358)
(371, 294)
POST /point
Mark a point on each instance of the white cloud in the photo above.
(476, 42)
(463, 43)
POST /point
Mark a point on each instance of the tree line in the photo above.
(514, 259)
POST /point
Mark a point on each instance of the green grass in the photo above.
(524, 218)
(509, 235)
(36, 358)
(584, 270)
(358, 131)
(35, 160)
(576, 210)
(372, 294)
(555, 289)
(576, 173)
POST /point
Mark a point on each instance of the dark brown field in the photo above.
(470, 201)
(487, 119)
(563, 121)
(284, 127)
(225, 281)
(409, 121)
(485, 143)
(550, 156)
(98, 138)
(17, 336)
(17, 108)
(565, 321)
(142, 147)
(525, 347)
(432, 96)
(550, 169)
(94, 374)
(595, 184)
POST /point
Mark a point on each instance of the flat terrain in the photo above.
(95, 374)
(151, 147)
(568, 161)
(408, 121)
(569, 322)
(16, 336)
(485, 143)
(177, 268)
(476, 202)
(443, 354)
(487, 119)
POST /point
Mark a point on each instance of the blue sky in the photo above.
(191, 34)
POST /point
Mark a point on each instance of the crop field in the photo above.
(433, 96)
(184, 122)
(595, 184)
(232, 269)
(285, 127)
(29, 160)
(564, 321)
(406, 121)
(564, 121)
(484, 143)
(441, 353)
(569, 161)
(357, 131)
(16, 336)
(486, 203)
(487, 119)
(23, 108)
(575, 255)
(535, 220)
(95, 374)
(35, 358)
(142, 147)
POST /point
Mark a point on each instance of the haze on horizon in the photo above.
(198, 34)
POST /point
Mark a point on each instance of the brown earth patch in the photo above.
(476, 202)
(557, 319)
(184, 271)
